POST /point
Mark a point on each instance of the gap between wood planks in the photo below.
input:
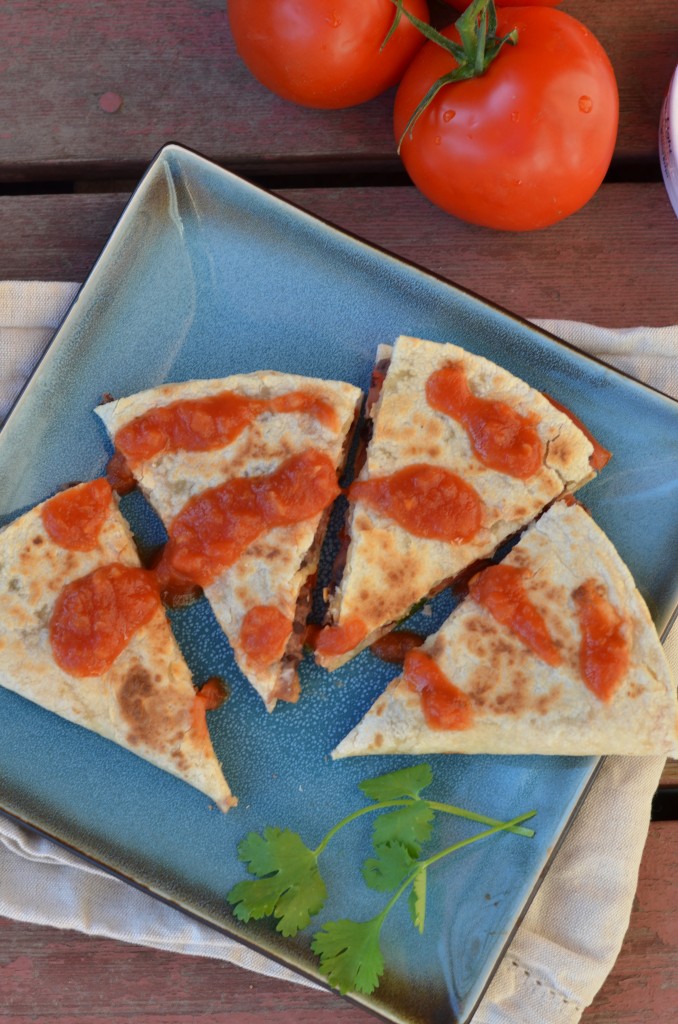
(298, 174)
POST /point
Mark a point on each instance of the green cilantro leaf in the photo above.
(350, 954)
(401, 783)
(288, 883)
(409, 825)
(417, 900)
(389, 868)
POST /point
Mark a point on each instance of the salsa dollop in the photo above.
(501, 438)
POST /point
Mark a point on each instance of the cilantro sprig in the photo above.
(350, 951)
(287, 884)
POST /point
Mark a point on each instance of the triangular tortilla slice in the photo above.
(497, 695)
(388, 568)
(145, 701)
(287, 417)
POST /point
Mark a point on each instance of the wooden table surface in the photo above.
(91, 89)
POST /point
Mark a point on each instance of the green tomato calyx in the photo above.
(479, 46)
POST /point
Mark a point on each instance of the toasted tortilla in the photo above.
(145, 701)
(388, 570)
(519, 704)
(276, 568)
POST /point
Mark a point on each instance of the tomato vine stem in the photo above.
(480, 45)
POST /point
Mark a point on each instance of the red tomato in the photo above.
(523, 145)
(325, 53)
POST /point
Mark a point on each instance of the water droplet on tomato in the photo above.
(449, 114)
(515, 116)
(585, 104)
(335, 20)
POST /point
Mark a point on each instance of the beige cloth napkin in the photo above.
(570, 937)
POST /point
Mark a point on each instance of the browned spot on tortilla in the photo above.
(520, 558)
(481, 685)
(561, 451)
(476, 625)
(386, 542)
(264, 551)
(513, 701)
(477, 634)
(543, 704)
(477, 648)
(499, 646)
(404, 431)
(399, 577)
(143, 707)
(436, 649)
(378, 739)
(38, 540)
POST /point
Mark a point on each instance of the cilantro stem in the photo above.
(499, 827)
(381, 806)
(459, 812)
(424, 864)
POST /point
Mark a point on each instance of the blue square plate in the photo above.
(206, 275)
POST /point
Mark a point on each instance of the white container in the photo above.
(668, 141)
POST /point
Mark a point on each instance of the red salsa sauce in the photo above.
(210, 696)
(264, 634)
(333, 641)
(96, 616)
(501, 438)
(203, 424)
(74, 518)
(600, 456)
(214, 528)
(604, 652)
(445, 706)
(501, 589)
(427, 501)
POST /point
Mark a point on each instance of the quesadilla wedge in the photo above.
(552, 652)
(84, 635)
(462, 456)
(243, 471)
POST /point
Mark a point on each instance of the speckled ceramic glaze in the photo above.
(206, 275)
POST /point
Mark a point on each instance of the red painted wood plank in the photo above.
(95, 88)
(610, 264)
(59, 237)
(643, 986)
(62, 977)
